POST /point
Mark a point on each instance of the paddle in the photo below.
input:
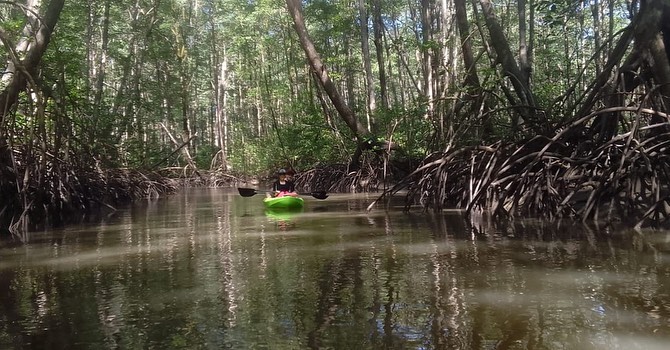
(248, 192)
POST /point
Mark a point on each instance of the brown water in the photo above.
(208, 269)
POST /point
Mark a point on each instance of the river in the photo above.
(209, 269)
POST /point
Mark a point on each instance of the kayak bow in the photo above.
(288, 202)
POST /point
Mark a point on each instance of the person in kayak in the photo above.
(283, 186)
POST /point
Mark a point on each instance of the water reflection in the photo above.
(284, 218)
(210, 269)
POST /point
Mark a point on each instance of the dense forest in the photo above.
(530, 107)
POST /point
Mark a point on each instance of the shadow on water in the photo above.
(210, 269)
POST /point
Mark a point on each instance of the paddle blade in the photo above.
(319, 194)
(246, 192)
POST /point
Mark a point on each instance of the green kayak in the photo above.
(287, 202)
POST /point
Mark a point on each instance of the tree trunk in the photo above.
(18, 73)
(319, 68)
(597, 19)
(472, 84)
(28, 65)
(499, 42)
(378, 28)
(102, 60)
(659, 50)
(471, 77)
(524, 64)
(349, 88)
(219, 84)
(427, 57)
(365, 47)
(321, 72)
(133, 119)
(649, 58)
(531, 40)
(444, 69)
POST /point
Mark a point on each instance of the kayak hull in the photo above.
(284, 202)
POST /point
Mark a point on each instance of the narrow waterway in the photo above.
(209, 269)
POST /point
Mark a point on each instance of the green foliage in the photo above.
(248, 158)
(12, 26)
(162, 59)
(135, 153)
(204, 154)
(406, 127)
(301, 145)
(309, 144)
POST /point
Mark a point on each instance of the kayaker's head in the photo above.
(281, 173)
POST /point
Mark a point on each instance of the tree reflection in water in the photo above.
(207, 270)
